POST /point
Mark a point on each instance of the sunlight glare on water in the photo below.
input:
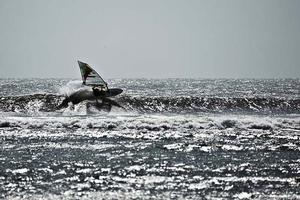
(173, 139)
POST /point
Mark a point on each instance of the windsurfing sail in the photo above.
(89, 76)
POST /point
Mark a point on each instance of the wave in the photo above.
(154, 126)
(30, 103)
(180, 104)
(212, 104)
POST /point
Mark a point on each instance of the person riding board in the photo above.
(100, 90)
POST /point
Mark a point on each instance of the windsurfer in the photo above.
(99, 90)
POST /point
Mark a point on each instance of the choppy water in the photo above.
(176, 139)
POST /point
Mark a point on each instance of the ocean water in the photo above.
(173, 139)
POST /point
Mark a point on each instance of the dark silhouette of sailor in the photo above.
(99, 91)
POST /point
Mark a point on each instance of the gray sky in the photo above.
(151, 39)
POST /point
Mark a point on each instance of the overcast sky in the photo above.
(151, 39)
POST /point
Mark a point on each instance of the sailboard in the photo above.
(89, 76)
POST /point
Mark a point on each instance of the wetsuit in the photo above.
(98, 92)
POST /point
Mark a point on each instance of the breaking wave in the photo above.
(211, 104)
(145, 104)
(125, 124)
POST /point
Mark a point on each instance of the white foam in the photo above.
(152, 127)
(70, 87)
(84, 171)
(243, 195)
(20, 171)
(231, 147)
(198, 186)
(134, 168)
(33, 107)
